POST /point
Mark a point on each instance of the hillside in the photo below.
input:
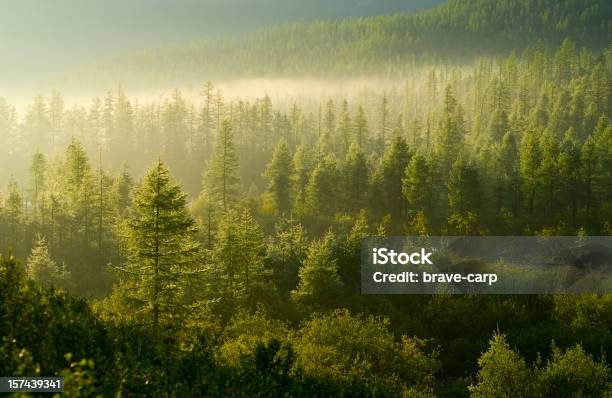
(456, 30)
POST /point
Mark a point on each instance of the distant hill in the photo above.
(456, 30)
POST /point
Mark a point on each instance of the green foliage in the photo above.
(573, 373)
(163, 258)
(456, 30)
(222, 182)
(503, 373)
(42, 269)
(345, 348)
(320, 284)
(279, 173)
(568, 373)
(249, 305)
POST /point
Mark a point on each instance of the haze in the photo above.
(41, 38)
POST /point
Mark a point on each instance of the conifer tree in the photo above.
(279, 174)
(162, 255)
(42, 269)
(548, 179)
(450, 134)
(320, 282)
(344, 128)
(322, 188)
(355, 180)
(360, 130)
(81, 198)
(507, 189)
(123, 192)
(221, 179)
(37, 177)
(392, 170)
(384, 123)
(415, 187)
(530, 158)
(464, 198)
(14, 218)
(589, 178)
(503, 373)
(239, 274)
(569, 178)
(302, 166)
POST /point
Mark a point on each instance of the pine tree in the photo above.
(239, 274)
(589, 177)
(344, 128)
(37, 177)
(548, 179)
(221, 179)
(302, 166)
(507, 190)
(360, 130)
(42, 269)
(418, 179)
(464, 198)
(285, 252)
(503, 373)
(322, 188)
(14, 218)
(162, 255)
(320, 283)
(81, 200)
(392, 169)
(569, 178)
(384, 123)
(355, 180)
(450, 134)
(279, 174)
(530, 158)
(104, 216)
(123, 192)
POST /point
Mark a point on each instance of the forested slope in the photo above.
(455, 31)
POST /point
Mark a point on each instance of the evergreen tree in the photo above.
(322, 188)
(355, 180)
(530, 158)
(569, 178)
(286, 250)
(392, 169)
(302, 166)
(240, 277)
(450, 134)
(503, 373)
(221, 179)
(320, 284)
(507, 190)
(344, 128)
(421, 199)
(384, 123)
(161, 252)
(37, 177)
(14, 219)
(360, 130)
(123, 193)
(464, 198)
(42, 269)
(279, 174)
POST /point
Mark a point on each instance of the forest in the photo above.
(211, 245)
(390, 45)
